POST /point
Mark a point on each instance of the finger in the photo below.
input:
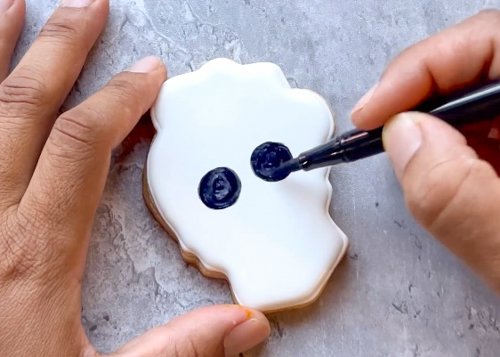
(453, 59)
(225, 330)
(483, 137)
(32, 94)
(455, 195)
(12, 14)
(70, 175)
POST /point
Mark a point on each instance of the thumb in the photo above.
(451, 192)
(224, 330)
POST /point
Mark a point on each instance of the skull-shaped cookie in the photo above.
(273, 241)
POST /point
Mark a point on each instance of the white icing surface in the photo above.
(277, 245)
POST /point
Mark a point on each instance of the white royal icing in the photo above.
(277, 245)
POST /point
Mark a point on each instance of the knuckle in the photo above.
(125, 92)
(25, 253)
(59, 30)
(73, 132)
(35, 216)
(435, 192)
(23, 92)
(120, 87)
(188, 347)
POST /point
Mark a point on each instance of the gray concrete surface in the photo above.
(398, 292)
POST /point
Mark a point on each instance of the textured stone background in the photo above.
(398, 292)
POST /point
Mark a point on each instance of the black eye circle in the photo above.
(220, 188)
(267, 158)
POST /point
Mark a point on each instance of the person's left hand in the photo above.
(52, 174)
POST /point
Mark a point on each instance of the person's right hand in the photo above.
(449, 183)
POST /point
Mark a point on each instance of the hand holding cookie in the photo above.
(449, 182)
(52, 173)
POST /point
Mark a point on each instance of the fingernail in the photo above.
(364, 100)
(146, 65)
(245, 336)
(76, 3)
(402, 138)
(5, 5)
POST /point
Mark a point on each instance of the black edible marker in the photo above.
(480, 104)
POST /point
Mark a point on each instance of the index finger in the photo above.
(453, 59)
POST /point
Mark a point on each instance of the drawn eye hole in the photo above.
(268, 157)
(220, 188)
